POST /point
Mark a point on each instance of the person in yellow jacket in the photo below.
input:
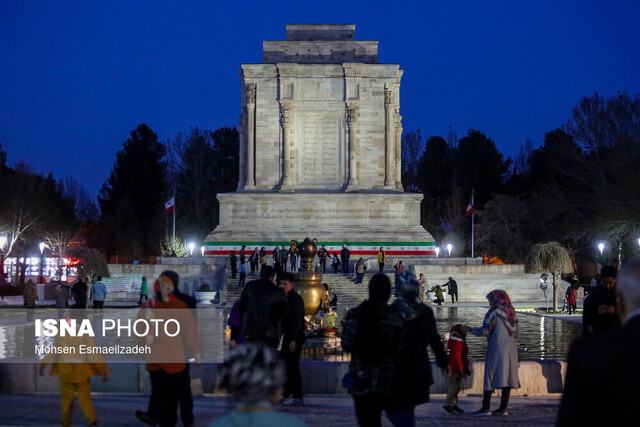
(74, 372)
(382, 257)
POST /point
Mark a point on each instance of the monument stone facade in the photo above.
(320, 150)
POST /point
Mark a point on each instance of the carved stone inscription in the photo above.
(319, 140)
(324, 214)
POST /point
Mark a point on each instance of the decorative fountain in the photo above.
(309, 283)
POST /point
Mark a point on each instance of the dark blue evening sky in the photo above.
(77, 77)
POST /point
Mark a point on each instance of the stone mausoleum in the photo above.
(320, 150)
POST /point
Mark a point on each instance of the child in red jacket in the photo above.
(458, 366)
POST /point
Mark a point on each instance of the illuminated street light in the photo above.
(202, 250)
(601, 247)
(638, 242)
(449, 247)
(438, 251)
(191, 248)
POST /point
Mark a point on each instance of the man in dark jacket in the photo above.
(453, 289)
(293, 329)
(79, 292)
(345, 254)
(603, 372)
(599, 313)
(265, 305)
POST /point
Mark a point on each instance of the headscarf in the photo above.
(252, 372)
(360, 261)
(408, 291)
(501, 307)
(368, 320)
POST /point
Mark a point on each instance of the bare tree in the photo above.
(412, 147)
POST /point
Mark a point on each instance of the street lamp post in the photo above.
(601, 247)
(437, 251)
(41, 275)
(449, 247)
(202, 250)
(3, 242)
(191, 248)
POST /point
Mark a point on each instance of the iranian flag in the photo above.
(470, 207)
(170, 203)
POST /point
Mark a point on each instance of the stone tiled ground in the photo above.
(43, 410)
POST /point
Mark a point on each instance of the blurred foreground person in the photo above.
(603, 375)
(254, 374)
(371, 334)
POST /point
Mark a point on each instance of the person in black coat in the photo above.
(599, 314)
(603, 373)
(265, 305)
(412, 373)
(293, 330)
(345, 254)
(453, 289)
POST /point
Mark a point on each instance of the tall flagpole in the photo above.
(473, 214)
(174, 222)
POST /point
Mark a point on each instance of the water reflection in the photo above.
(540, 337)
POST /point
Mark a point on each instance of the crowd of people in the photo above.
(390, 371)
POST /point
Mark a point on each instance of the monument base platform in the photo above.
(364, 221)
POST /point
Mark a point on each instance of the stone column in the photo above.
(286, 114)
(352, 119)
(389, 107)
(242, 157)
(251, 137)
(398, 149)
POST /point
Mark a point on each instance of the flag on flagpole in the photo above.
(470, 207)
(170, 203)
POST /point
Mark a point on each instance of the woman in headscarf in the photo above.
(412, 374)
(500, 326)
(371, 334)
(254, 375)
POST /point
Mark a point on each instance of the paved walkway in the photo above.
(43, 410)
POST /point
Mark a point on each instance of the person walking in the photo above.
(571, 299)
(98, 293)
(382, 257)
(143, 290)
(335, 263)
(412, 372)
(254, 260)
(233, 261)
(293, 256)
(243, 275)
(243, 256)
(263, 257)
(371, 334)
(170, 382)
(265, 305)
(398, 269)
(292, 341)
(283, 258)
(601, 386)
(345, 254)
(323, 253)
(452, 286)
(500, 326)
(360, 269)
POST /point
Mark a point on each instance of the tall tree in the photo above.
(132, 199)
(412, 147)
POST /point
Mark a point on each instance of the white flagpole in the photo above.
(472, 234)
(174, 221)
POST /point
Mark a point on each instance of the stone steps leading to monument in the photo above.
(471, 287)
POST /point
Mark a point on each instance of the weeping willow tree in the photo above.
(552, 258)
(93, 263)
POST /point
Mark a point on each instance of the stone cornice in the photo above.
(390, 71)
